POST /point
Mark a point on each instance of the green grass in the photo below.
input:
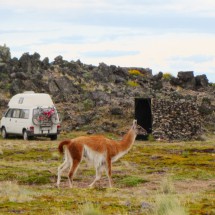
(131, 181)
(152, 176)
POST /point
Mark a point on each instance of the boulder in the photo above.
(116, 111)
(30, 63)
(186, 76)
(157, 77)
(58, 60)
(45, 63)
(5, 55)
(100, 97)
(187, 80)
(201, 81)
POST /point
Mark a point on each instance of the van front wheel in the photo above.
(4, 133)
(25, 135)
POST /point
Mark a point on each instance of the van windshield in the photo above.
(9, 113)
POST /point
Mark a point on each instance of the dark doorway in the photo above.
(143, 115)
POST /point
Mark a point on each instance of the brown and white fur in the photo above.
(98, 150)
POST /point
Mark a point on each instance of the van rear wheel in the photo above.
(25, 135)
(4, 133)
(53, 137)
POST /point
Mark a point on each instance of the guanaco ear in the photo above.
(134, 123)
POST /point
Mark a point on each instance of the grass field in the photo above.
(153, 178)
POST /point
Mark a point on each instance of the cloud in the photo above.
(70, 39)
(134, 6)
(194, 58)
(165, 35)
(166, 15)
(109, 53)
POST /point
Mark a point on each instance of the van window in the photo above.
(24, 114)
(21, 99)
(16, 113)
(9, 113)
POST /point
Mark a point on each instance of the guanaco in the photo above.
(98, 150)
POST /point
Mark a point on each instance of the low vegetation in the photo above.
(135, 72)
(167, 76)
(132, 83)
(153, 178)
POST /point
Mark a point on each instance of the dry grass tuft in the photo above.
(90, 209)
(12, 192)
(167, 186)
(167, 203)
(1, 151)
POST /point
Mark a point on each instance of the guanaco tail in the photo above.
(98, 150)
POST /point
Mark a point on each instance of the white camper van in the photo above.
(31, 114)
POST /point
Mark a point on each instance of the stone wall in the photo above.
(175, 120)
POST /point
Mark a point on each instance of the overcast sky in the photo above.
(164, 35)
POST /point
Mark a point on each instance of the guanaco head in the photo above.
(138, 129)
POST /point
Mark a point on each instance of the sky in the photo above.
(163, 35)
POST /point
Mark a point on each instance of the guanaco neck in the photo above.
(128, 140)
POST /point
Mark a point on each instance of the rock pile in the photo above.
(175, 120)
(187, 80)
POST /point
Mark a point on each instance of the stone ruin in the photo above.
(175, 120)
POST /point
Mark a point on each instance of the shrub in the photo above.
(167, 76)
(132, 83)
(88, 104)
(185, 154)
(135, 72)
(150, 138)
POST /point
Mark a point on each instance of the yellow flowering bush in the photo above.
(167, 76)
(135, 72)
(132, 83)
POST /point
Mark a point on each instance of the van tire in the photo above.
(25, 135)
(53, 137)
(4, 133)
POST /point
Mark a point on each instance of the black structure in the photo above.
(143, 115)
